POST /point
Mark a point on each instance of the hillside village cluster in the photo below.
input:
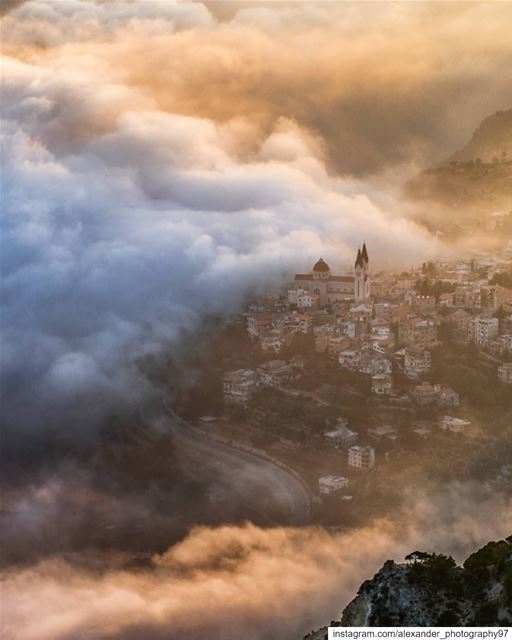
(385, 327)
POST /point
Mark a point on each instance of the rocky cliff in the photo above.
(431, 590)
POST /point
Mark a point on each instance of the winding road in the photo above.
(285, 488)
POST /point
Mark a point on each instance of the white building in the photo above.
(483, 330)
(330, 484)
(361, 457)
(454, 425)
(342, 436)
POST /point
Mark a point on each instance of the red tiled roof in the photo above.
(321, 266)
(342, 278)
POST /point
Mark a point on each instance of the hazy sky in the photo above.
(163, 160)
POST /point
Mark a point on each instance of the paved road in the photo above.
(284, 488)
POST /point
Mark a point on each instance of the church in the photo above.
(332, 288)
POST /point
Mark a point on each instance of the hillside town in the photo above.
(343, 374)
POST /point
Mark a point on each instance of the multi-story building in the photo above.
(483, 329)
(417, 362)
(239, 386)
(361, 457)
(330, 484)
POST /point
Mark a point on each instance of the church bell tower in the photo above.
(362, 279)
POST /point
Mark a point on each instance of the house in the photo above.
(374, 364)
(425, 394)
(446, 396)
(349, 358)
(383, 433)
(446, 300)
(330, 484)
(382, 384)
(417, 362)
(239, 386)
(361, 457)
(417, 332)
(341, 436)
(454, 425)
(505, 373)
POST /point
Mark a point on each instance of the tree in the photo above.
(418, 556)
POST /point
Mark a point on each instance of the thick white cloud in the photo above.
(124, 224)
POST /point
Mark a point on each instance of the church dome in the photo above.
(321, 267)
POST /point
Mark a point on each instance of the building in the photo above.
(417, 332)
(446, 396)
(349, 359)
(454, 425)
(331, 288)
(426, 394)
(341, 436)
(361, 457)
(417, 362)
(330, 484)
(239, 386)
(483, 330)
(505, 373)
(382, 384)
(383, 433)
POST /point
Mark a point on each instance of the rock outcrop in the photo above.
(431, 590)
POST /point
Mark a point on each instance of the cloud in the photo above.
(161, 163)
(125, 223)
(398, 85)
(230, 582)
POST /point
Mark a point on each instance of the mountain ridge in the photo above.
(475, 180)
(432, 590)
